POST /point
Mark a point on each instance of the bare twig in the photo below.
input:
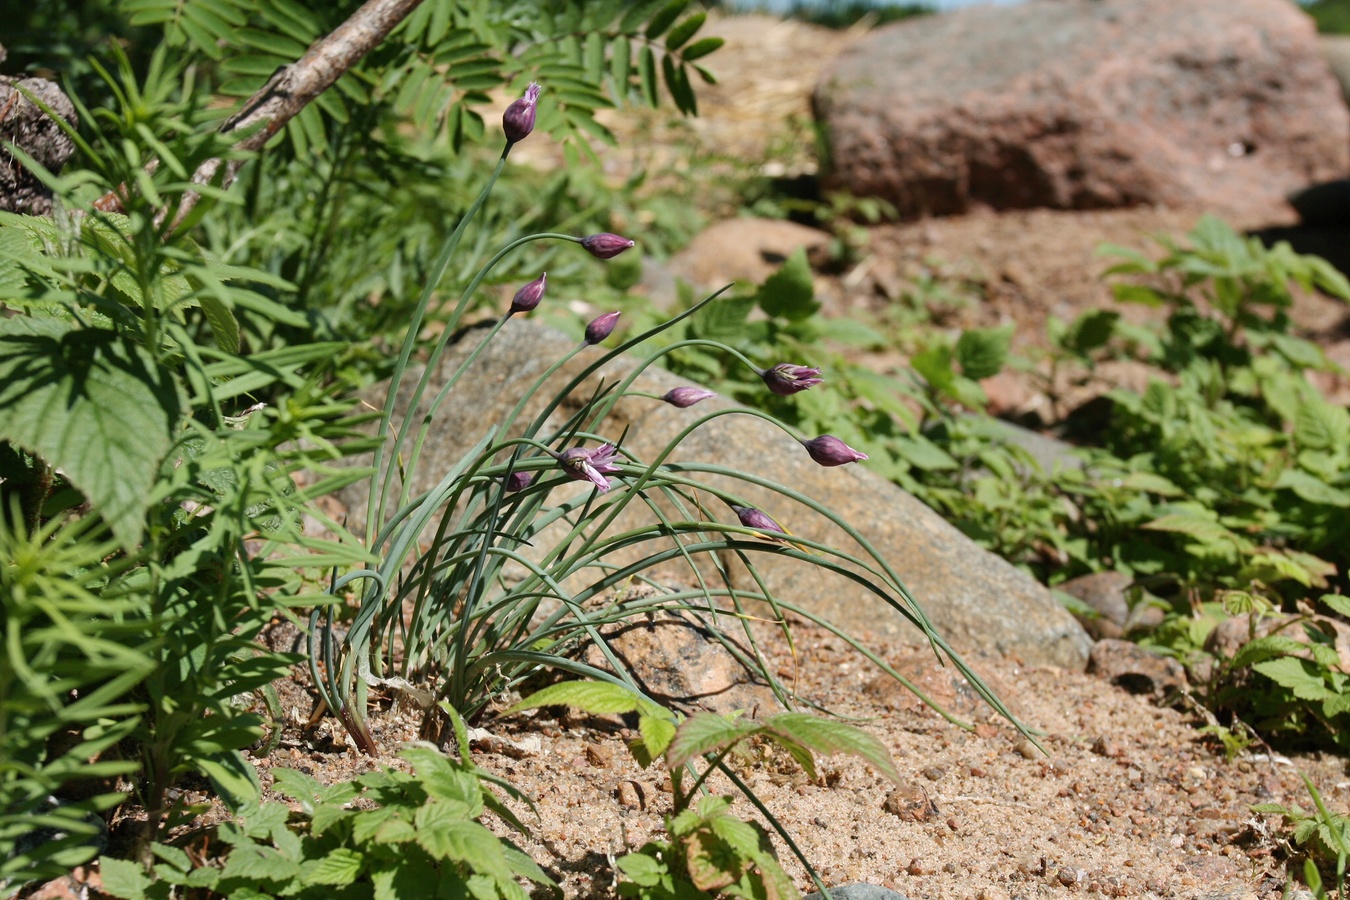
(288, 91)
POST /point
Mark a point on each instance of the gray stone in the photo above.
(859, 892)
(976, 601)
(1087, 104)
(27, 126)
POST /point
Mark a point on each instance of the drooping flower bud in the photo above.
(828, 450)
(785, 378)
(601, 327)
(581, 464)
(754, 518)
(528, 297)
(687, 396)
(606, 245)
(518, 120)
(517, 481)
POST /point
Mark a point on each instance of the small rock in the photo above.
(634, 794)
(1069, 876)
(1027, 749)
(599, 755)
(1105, 594)
(1134, 668)
(1107, 746)
(860, 892)
(910, 803)
(934, 773)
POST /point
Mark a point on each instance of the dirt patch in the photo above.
(1129, 803)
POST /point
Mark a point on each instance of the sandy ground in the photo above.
(1130, 802)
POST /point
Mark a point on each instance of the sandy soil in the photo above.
(1131, 802)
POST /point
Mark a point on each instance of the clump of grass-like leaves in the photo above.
(446, 615)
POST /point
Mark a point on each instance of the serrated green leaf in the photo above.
(174, 857)
(826, 736)
(1150, 483)
(1192, 525)
(123, 878)
(1338, 603)
(1312, 489)
(296, 785)
(982, 352)
(339, 868)
(464, 841)
(1300, 676)
(790, 292)
(922, 453)
(657, 733)
(704, 733)
(595, 697)
(255, 864)
(94, 406)
(1319, 425)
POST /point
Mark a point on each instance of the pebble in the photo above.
(1027, 749)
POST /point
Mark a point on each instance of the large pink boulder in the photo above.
(1224, 105)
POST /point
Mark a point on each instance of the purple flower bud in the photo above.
(518, 120)
(517, 481)
(685, 397)
(754, 518)
(606, 245)
(581, 464)
(785, 378)
(828, 450)
(528, 297)
(601, 327)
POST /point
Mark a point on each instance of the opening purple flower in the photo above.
(528, 297)
(517, 481)
(601, 327)
(581, 464)
(606, 245)
(685, 397)
(785, 378)
(518, 120)
(755, 518)
(828, 450)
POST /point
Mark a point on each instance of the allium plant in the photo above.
(439, 620)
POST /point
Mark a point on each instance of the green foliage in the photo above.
(1322, 835)
(387, 834)
(841, 14)
(128, 386)
(710, 852)
(1331, 16)
(1226, 478)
